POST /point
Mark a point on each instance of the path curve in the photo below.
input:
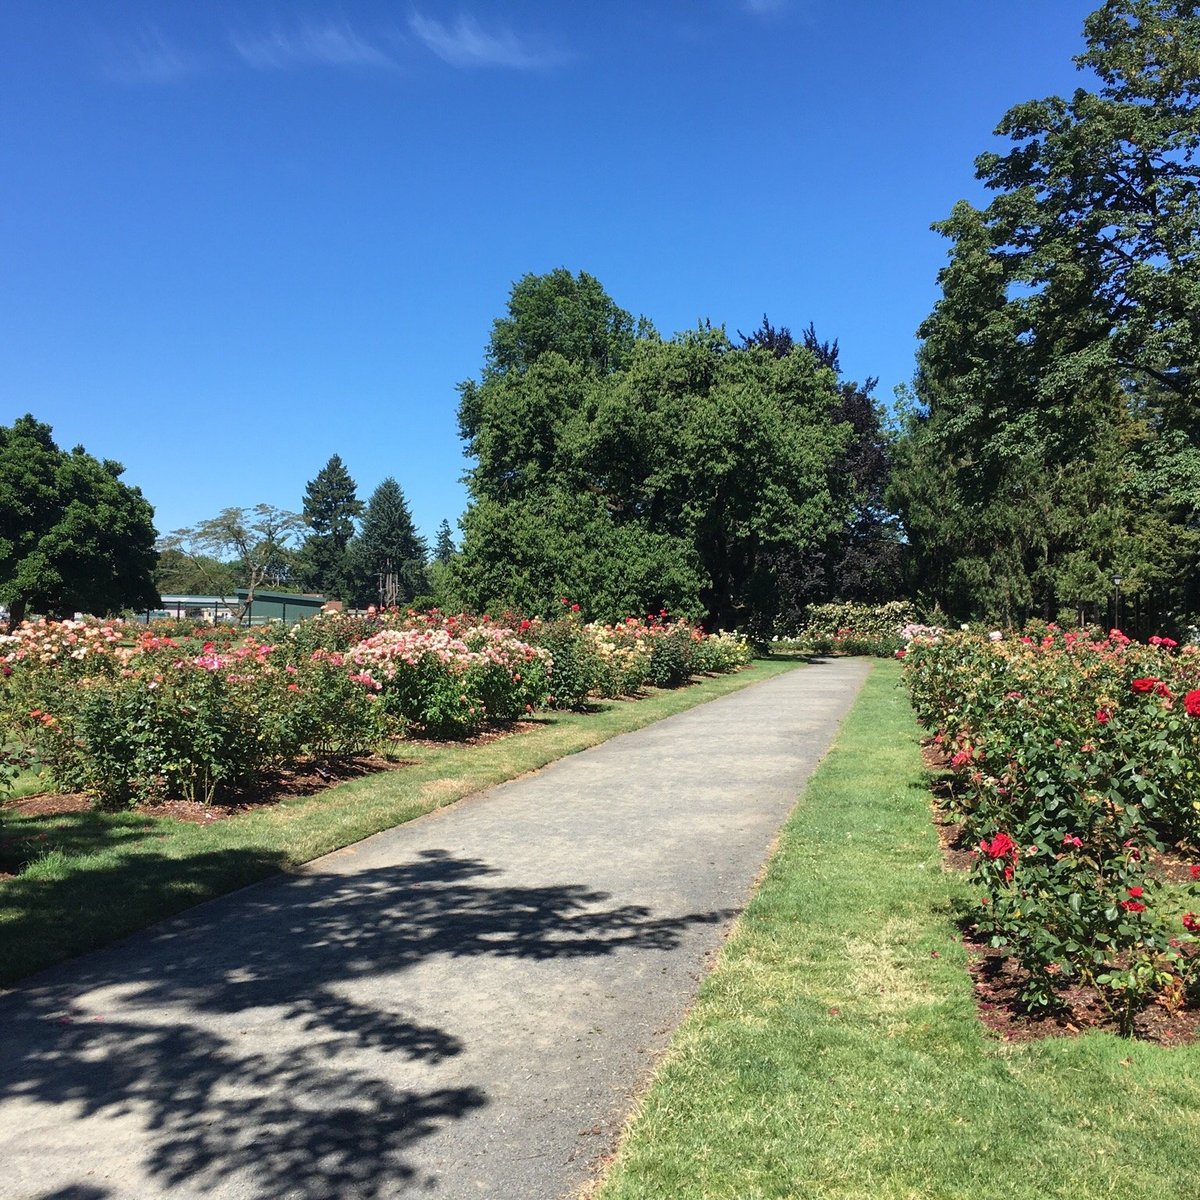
(462, 1006)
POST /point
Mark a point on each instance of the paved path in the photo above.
(460, 1007)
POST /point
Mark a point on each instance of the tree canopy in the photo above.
(1050, 441)
(660, 473)
(258, 540)
(73, 537)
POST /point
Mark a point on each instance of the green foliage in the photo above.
(861, 620)
(576, 666)
(331, 506)
(1077, 759)
(1052, 442)
(690, 463)
(443, 550)
(860, 556)
(259, 540)
(720, 652)
(855, 628)
(175, 716)
(178, 573)
(528, 554)
(176, 710)
(72, 535)
(570, 316)
(387, 560)
(671, 659)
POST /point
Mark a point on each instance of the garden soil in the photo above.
(463, 1006)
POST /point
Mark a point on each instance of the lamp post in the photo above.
(1116, 582)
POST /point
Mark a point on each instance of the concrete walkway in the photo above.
(463, 1006)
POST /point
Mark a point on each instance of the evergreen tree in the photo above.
(444, 546)
(331, 506)
(388, 558)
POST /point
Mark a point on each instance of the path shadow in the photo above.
(235, 1043)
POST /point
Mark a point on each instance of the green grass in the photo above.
(834, 1052)
(94, 877)
(27, 783)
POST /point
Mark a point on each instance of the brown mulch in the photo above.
(306, 779)
(998, 979)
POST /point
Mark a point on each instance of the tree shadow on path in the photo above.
(238, 1042)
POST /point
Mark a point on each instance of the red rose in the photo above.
(1191, 703)
(1133, 906)
(1194, 870)
(1102, 716)
(1001, 846)
(1136, 892)
(1190, 923)
(1145, 684)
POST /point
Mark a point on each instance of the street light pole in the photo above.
(1116, 582)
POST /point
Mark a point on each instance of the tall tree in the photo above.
(72, 535)
(667, 480)
(1106, 185)
(1052, 441)
(331, 507)
(443, 550)
(388, 558)
(860, 558)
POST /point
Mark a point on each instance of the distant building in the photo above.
(288, 607)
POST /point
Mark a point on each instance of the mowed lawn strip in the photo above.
(834, 1051)
(101, 876)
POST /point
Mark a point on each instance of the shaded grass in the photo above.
(98, 876)
(835, 1051)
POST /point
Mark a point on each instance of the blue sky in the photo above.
(237, 238)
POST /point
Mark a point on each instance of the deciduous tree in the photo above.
(259, 540)
(73, 537)
(1052, 438)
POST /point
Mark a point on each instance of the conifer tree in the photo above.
(444, 546)
(388, 558)
(331, 505)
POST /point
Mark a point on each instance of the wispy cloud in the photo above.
(149, 57)
(467, 44)
(329, 44)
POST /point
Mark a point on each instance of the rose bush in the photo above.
(129, 713)
(1078, 758)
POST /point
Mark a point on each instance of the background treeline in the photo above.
(338, 546)
(1047, 446)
